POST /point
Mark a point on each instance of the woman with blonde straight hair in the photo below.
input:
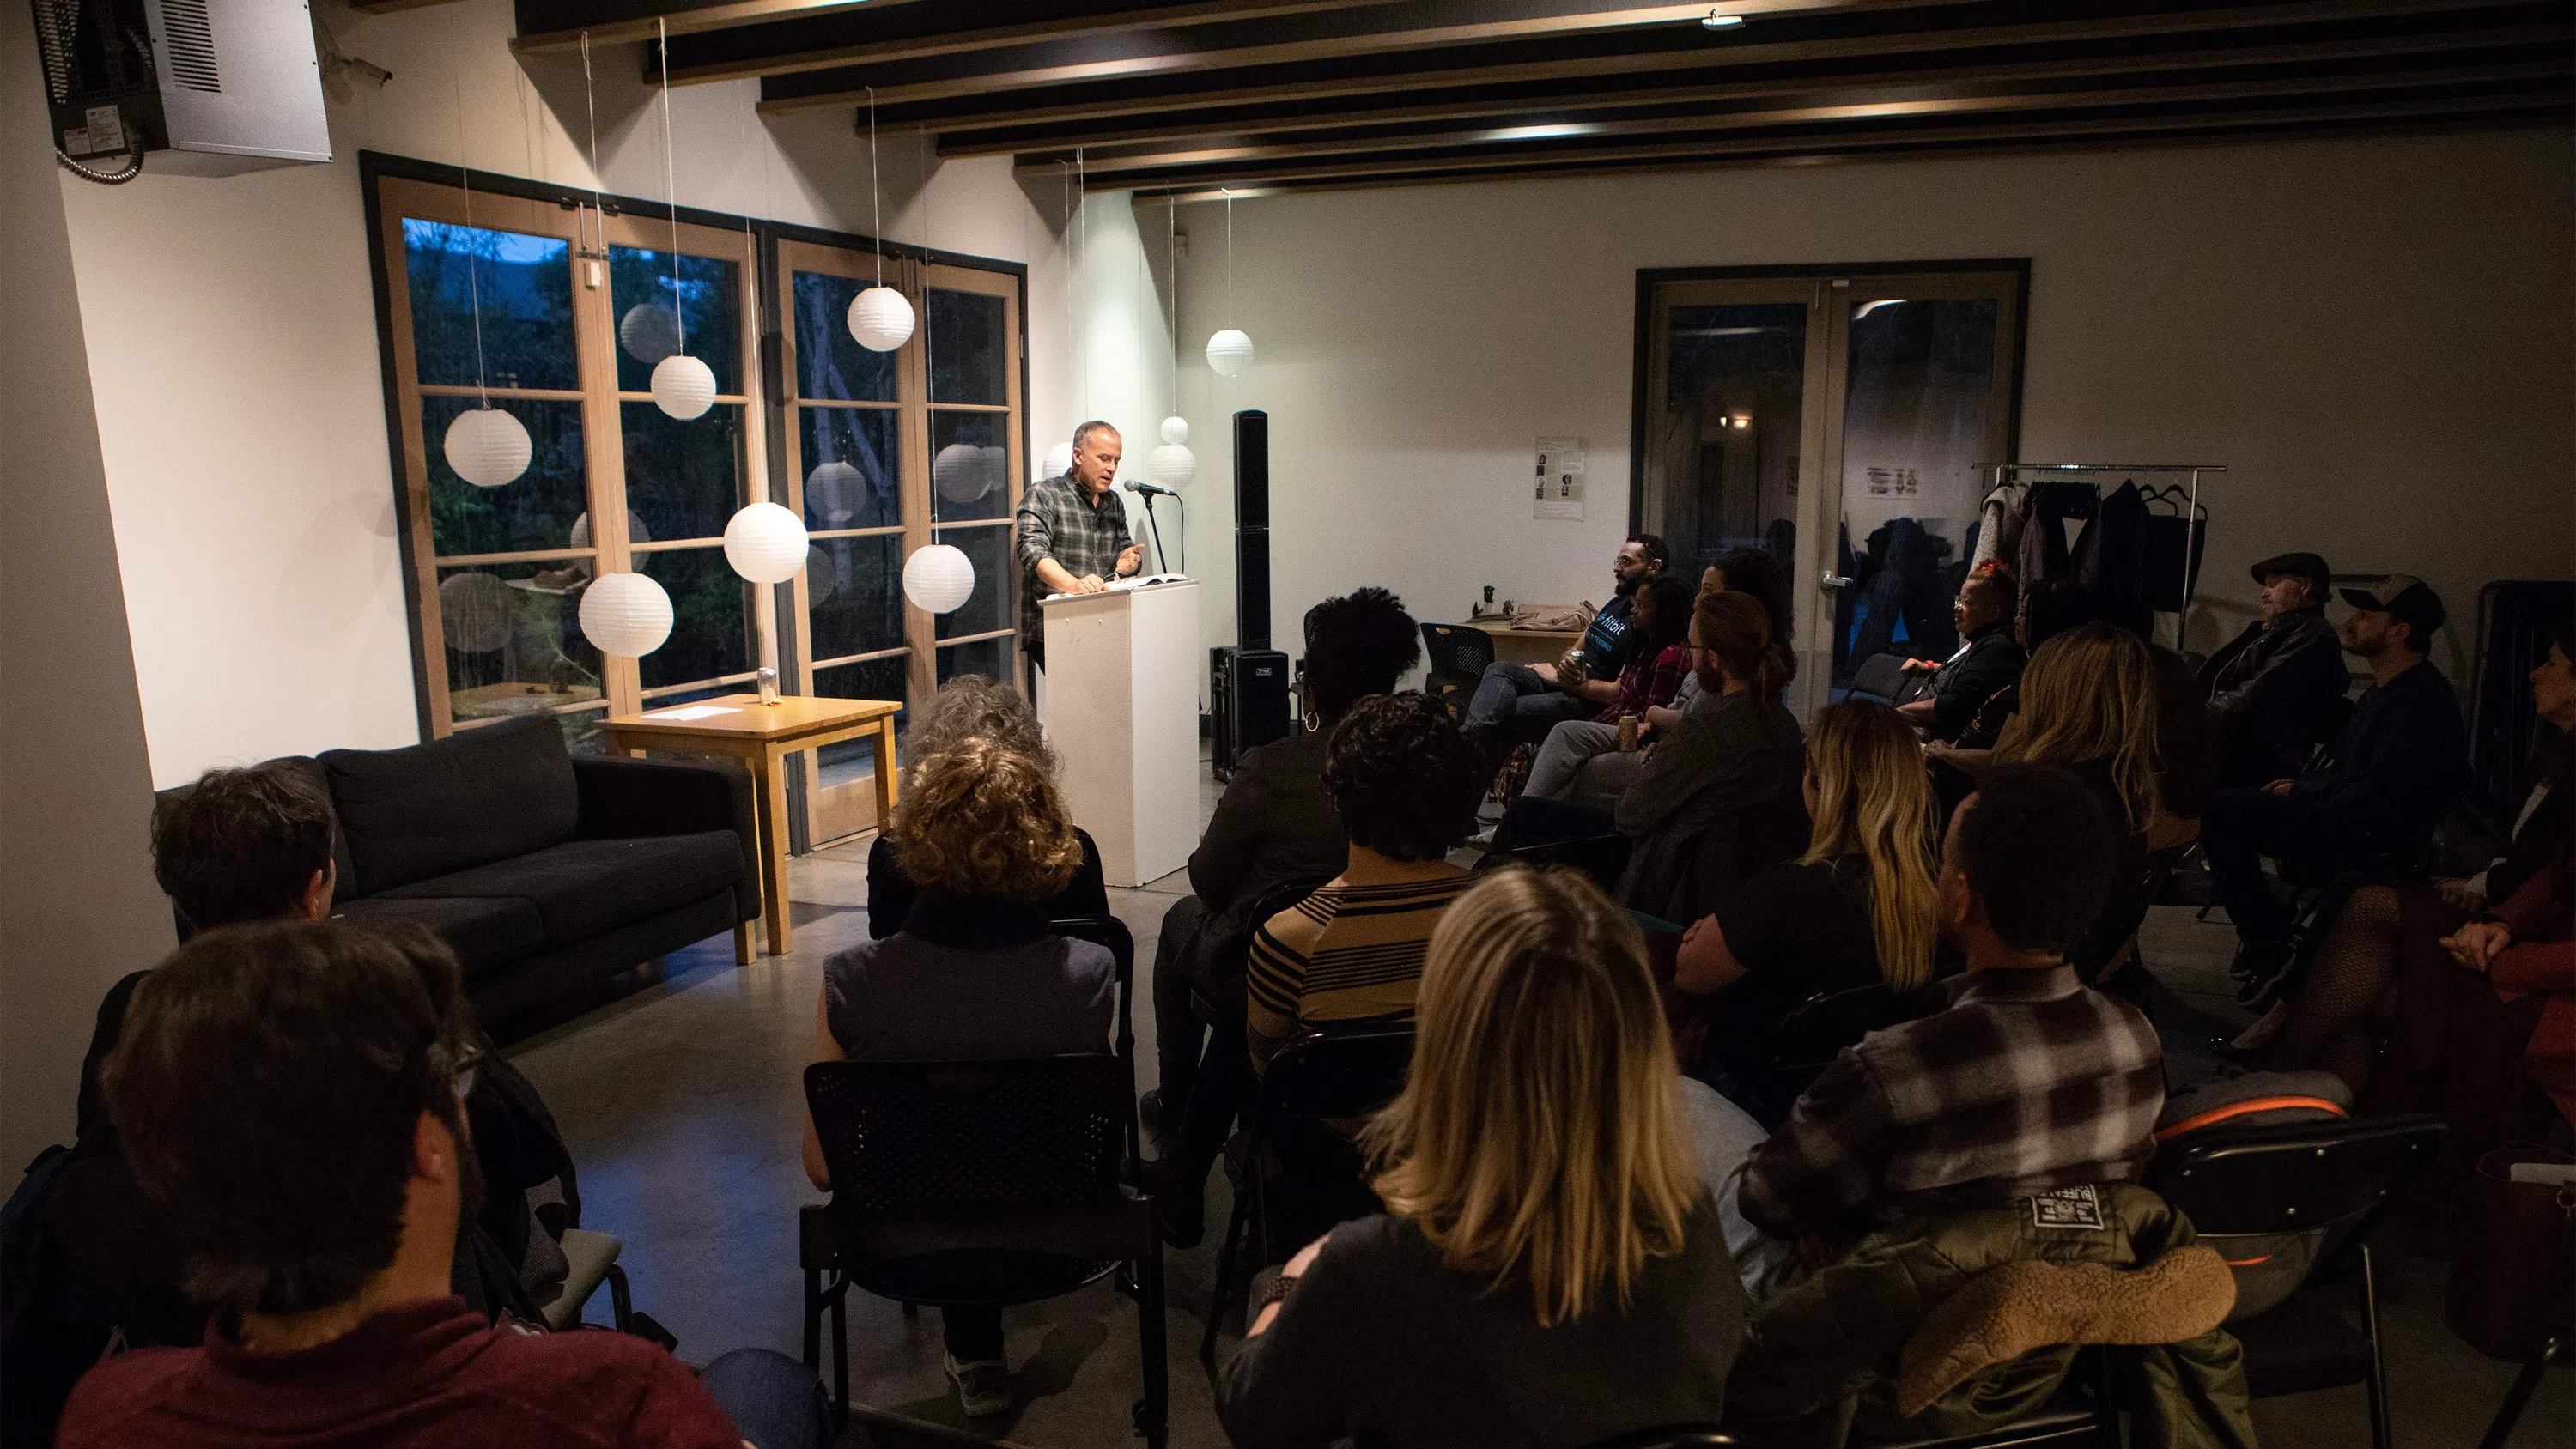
(1550, 1269)
(2088, 702)
(1856, 909)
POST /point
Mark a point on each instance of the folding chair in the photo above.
(1458, 655)
(2301, 1191)
(1809, 1039)
(1318, 1077)
(1602, 857)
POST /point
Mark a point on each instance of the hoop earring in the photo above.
(1313, 721)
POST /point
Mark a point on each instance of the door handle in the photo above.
(1833, 581)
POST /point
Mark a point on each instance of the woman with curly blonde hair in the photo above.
(976, 973)
(1550, 1268)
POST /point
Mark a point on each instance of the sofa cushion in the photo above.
(486, 933)
(475, 797)
(584, 887)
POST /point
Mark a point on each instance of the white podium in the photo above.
(1121, 708)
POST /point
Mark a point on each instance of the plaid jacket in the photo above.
(2028, 1081)
(1056, 521)
(1648, 682)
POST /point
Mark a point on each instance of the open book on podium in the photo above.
(1121, 708)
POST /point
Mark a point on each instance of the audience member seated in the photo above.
(2528, 950)
(1988, 657)
(1273, 825)
(2044, 611)
(1724, 756)
(2370, 799)
(975, 974)
(1519, 703)
(1405, 784)
(1750, 571)
(966, 706)
(1754, 571)
(250, 845)
(2272, 690)
(293, 1094)
(1550, 1269)
(2028, 1080)
(1855, 910)
(1658, 661)
(2383, 1006)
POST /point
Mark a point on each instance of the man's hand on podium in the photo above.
(1089, 584)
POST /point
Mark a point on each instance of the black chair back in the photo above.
(2092, 956)
(1336, 1072)
(1880, 676)
(1602, 857)
(1678, 1436)
(1810, 1037)
(2294, 1177)
(1457, 652)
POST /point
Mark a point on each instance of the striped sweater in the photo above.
(1347, 953)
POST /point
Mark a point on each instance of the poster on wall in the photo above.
(1559, 489)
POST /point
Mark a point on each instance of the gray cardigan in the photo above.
(1742, 753)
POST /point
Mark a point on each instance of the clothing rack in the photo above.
(2004, 474)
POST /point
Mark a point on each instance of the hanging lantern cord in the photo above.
(1229, 257)
(876, 218)
(671, 185)
(465, 179)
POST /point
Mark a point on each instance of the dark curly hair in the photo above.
(241, 845)
(2038, 850)
(1405, 781)
(1357, 645)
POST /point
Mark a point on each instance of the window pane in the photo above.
(854, 594)
(710, 617)
(514, 645)
(648, 330)
(989, 607)
(872, 679)
(969, 466)
(533, 511)
(1733, 409)
(850, 467)
(683, 479)
(524, 287)
(830, 363)
(968, 351)
(990, 658)
(1915, 429)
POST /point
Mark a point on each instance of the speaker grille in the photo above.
(1251, 469)
(191, 40)
(1252, 587)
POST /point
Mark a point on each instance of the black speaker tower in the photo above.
(1248, 680)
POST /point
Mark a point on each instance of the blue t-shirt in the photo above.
(1606, 643)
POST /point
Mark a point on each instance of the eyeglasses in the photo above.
(462, 1072)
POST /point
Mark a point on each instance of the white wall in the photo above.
(2372, 333)
(232, 335)
(80, 908)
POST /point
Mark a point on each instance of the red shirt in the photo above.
(421, 1375)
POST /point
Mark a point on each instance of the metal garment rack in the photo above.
(2003, 473)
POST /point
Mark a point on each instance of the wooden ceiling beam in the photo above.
(551, 25)
(1820, 105)
(954, 103)
(1878, 139)
(1107, 136)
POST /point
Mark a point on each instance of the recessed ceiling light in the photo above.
(1720, 20)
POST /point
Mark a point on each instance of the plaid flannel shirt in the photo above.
(1056, 520)
(2029, 1081)
(1648, 684)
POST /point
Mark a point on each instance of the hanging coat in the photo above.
(2109, 561)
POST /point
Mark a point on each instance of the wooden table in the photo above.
(761, 736)
(1527, 646)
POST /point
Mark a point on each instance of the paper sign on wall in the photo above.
(1558, 492)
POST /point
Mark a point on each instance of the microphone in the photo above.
(1139, 485)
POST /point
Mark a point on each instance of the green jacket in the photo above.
(1819, 1367)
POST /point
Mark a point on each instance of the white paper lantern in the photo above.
(474, 611)
(964, 472)
(683, 387)
(1059, 460)
(1176, 429)
(822, 574)
(939, 578)
(488, 447)
(833, 491)
(1172, 464)
(650, 331)
(636, 532)
(765, 543)
(1229, 352)
(880, 319)
(627, 615)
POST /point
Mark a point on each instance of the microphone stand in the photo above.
(1157, 529)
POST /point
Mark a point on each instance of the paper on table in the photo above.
(1120, 586)
(695, 711)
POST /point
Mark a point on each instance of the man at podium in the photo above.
(1073, 533)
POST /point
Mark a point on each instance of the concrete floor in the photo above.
(682, 1101)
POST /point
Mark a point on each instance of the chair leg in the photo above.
(841, 1353)
(814, 1321)
(621, 1305)
(2518, 1398)
(1224, 1291)
(2378, 1380)
(1152, 1343)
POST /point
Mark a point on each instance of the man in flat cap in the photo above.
(2273, 689)
(2368, 801)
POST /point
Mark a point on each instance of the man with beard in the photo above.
(2271, 687)
(1519, 703)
